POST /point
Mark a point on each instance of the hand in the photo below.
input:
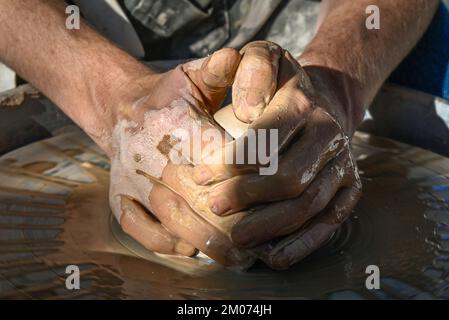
(316, 185)
(144, 137)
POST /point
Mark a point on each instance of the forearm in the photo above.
(360, 60)
(79, 70)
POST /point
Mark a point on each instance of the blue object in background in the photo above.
(427, 67)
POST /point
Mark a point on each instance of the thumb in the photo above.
(214, 75)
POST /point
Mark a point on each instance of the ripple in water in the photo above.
(47, 194)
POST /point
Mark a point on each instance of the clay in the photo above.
(18, 96)
(166, 144)
(59, 216)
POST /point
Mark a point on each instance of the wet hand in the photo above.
(316, 184)
(146, 130)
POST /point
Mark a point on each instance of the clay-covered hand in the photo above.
(315, 184)
(148, 125)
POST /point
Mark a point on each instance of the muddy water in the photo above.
(54, 212)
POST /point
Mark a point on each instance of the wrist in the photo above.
(133, 96)
(340, 94)
(108, 99)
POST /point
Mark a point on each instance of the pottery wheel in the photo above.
(54, 212)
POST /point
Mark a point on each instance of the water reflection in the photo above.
(54, 212)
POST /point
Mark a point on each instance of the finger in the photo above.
(175, 213)
(281, 122)
(297, 169)
(201, 140)
(297, 246)
(288, 216)
(214, 75)
(256, 79)
(144, 228)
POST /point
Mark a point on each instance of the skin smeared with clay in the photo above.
(256, 80)
(130, 111)
(142, 196)
(317, 182)
(186, 207)
(182, 206)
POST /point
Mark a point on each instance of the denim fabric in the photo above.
(427, 67)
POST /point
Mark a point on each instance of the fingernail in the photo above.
(288, 255)
(215, 66)
(219, 205)
(185, 249)
(202, 175)
(281, 261)
(222, 66)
